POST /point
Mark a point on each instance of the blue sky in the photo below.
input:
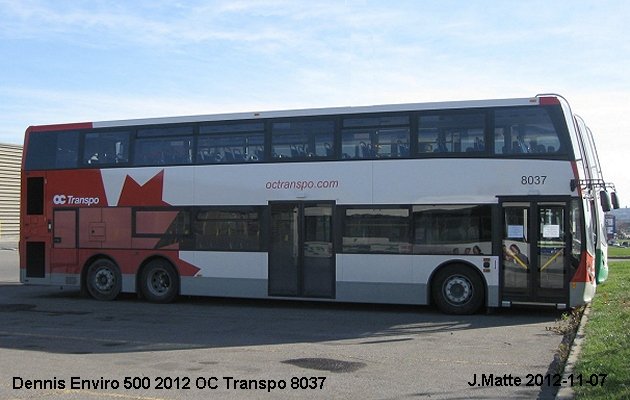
(71, 61)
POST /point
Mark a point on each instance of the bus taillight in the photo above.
(549, 101)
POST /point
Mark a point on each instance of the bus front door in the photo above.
(536, 252)
(301, 256)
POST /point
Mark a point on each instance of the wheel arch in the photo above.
(456, 262)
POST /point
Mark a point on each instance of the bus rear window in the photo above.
(52, 150)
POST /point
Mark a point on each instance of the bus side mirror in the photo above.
(605, 200)
(614, 200)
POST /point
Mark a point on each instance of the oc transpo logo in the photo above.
(62, 199)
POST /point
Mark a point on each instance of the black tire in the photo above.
(457, 289)
(103, 280)
(159, 282)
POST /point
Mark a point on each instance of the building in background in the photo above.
(621, 227)
(10, 160)
(611, 228)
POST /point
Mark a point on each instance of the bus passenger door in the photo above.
(318, 259)
(301, 256)
(284, 250)
(535, 247)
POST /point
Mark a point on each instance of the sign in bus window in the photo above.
(551, 231)
(516, 232)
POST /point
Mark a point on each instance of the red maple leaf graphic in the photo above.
(149, 194)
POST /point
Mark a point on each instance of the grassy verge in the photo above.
(606, 348)
(618, 251)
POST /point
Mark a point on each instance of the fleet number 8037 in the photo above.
(533, 179)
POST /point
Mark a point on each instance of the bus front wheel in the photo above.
(159, 281)
(104, 281)
(457, 289)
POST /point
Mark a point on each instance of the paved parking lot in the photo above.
(57, 344)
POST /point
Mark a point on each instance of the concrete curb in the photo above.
(567, 392)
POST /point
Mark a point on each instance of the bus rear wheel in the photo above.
(104, 281)
(159, 281)
(457, 289)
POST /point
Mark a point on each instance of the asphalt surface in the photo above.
(59, 345)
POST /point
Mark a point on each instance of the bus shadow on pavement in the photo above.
(48, 320)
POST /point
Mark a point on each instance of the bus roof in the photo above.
(546, 100)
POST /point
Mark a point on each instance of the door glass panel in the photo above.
(318, 250)
(284, 250)
(516, 248)
(551, 246)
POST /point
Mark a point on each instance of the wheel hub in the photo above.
(104, 280)
(160, 282)
(458, 290)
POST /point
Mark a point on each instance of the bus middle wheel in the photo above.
(159, 281)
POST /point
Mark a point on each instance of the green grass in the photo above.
(618, 251)
(606, 347)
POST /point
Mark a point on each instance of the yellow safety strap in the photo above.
(516, 259)
(551, 259)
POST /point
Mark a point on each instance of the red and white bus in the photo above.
(462, 204)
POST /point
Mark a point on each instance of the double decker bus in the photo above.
(464, 204)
